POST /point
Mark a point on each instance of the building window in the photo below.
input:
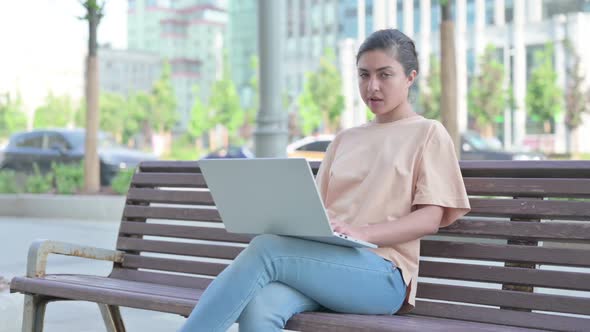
(490, 16)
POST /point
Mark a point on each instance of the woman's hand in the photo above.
(357, 232)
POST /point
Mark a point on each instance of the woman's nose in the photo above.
(373, 85)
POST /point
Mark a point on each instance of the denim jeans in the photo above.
(277, 277)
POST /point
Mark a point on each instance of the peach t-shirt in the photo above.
(379, 172)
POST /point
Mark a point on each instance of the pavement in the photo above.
(15, 236)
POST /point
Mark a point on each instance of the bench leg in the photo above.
(34, 313)
(112, 318)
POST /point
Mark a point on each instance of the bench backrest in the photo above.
(521, 257)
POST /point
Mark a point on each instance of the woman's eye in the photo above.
(385, 75)
(363, 75)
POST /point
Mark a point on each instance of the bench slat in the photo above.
(185, 180)
(535, 187)
(188, 166)
(526, 169)
(160, 278)
(178, 248)
(563, 231)
(530, 209)
(183, 232)
(513, 299)
(173, 213)
(500, 252)
(497, 316)
(511, 275)
(148, 195)
(172, 265)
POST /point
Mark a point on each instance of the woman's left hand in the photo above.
(357, 232)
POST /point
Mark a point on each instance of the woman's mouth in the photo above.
(375, 101)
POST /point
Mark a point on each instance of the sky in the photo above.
(44, 45)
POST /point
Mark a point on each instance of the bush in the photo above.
(39, 183)
(122, 180)
(69, 178)
(8, 184)
(183, 148)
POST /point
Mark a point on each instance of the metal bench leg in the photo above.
(34, 313)
(112, 318)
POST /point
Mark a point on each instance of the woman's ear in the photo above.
(410, 78)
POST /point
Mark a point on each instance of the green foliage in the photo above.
(225, 105)
(487, 96)
(183, 148)
(544, 97)
(201, 120)
(38, 183)
(430, 93)
(163, 114)
(120, 183)
(12, 116)
(8, 184)
(321, 101)
(58, 111)
(113, 114)
(69, 178)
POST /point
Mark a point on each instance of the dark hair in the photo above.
(400, 46)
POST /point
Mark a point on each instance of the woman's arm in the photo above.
(423, 221)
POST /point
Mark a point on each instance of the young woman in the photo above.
(389, 182)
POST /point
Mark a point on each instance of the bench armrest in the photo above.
(40, 250)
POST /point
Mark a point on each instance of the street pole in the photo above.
(271, 134)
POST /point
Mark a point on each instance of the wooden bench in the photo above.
(529, 230)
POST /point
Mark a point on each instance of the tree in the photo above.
(136, 122)
(225, 105)
(321, 101)
(544, 97)
(58, 111)
(113, 114)
(12, 117)
(576, 102)
(94, 13)
(163, 115)
(487, 97)
(431, 91)
(448, 76)
(201, 121)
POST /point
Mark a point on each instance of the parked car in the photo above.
(473, 147)
(231, 152)
(44, 147)
(311, 147)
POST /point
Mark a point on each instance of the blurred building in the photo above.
(516, 28)
(189, 35)
(125, 72)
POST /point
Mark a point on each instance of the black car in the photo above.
(44, 147)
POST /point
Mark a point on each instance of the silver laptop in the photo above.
(271, 195)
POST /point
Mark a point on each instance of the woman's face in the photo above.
(383, 84)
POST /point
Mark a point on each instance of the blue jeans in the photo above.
(277, 277)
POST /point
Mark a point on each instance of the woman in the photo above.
(389, 182)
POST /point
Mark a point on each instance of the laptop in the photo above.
(273, 196)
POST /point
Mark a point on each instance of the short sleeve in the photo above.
(323, 176)
(439, 180)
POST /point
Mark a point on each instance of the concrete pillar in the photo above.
(347, 48)
(535, 10)
(409, 18)
(425, 37)
(379, 15)
(480, 22)
(271, 133)
(361, 20)
(460, 36)
(499, 14)
(391, 7)
(519, 74)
